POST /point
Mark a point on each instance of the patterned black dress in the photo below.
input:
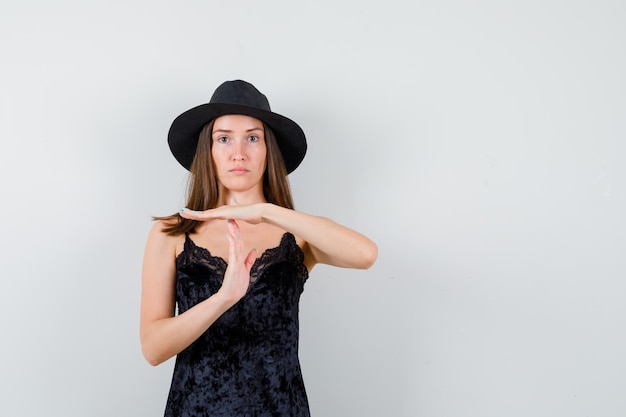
(246, 363)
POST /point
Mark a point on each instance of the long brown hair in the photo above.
(203, 190)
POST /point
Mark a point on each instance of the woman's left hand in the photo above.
(250, 213)
(327, 242)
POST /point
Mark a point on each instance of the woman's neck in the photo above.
(242, 197)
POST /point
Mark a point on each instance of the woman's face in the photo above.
(239, 152)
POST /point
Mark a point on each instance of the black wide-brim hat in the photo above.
(236, 97)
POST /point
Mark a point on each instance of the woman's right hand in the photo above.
(164, 334)
(237, 276)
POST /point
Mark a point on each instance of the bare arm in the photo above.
(163, 334)
(327, 242)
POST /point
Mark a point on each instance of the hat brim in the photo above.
(183, 134)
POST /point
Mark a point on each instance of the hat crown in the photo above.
(240, 93)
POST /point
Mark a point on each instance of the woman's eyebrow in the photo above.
(252, 129)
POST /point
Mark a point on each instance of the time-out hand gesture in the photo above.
(237, 276)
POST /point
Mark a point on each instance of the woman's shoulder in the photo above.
(165, 242)
(160, 226)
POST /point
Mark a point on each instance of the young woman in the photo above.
(222, 279)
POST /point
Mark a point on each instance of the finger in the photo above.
(191, 214)
(234, 239)
(233, 228)
(250, 259)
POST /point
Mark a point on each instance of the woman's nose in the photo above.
(238, 151)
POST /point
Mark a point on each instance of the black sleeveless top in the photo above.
(246, 363)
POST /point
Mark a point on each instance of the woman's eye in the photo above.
(222, 139)
(253, 138)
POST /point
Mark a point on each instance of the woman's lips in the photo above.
(239, 170)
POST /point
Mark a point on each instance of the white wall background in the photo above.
(480, 144)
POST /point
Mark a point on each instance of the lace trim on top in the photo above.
(287, 250)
